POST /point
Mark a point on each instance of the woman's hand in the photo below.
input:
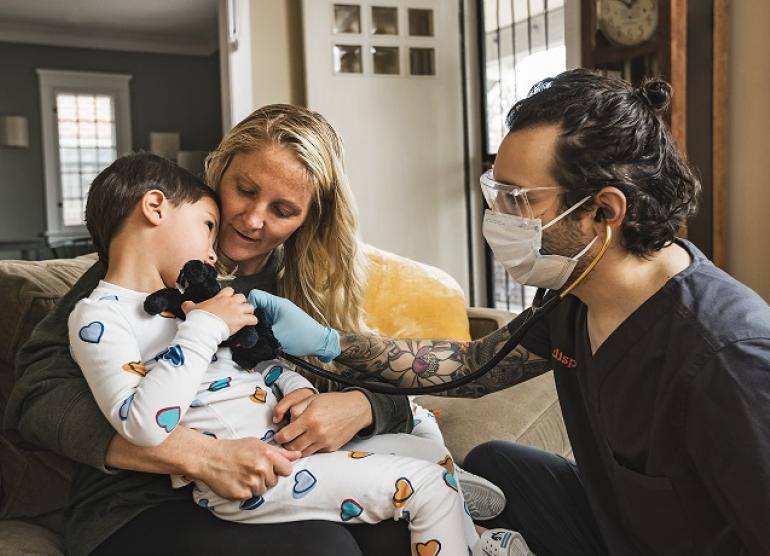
(229, 306)
(326, 422)
(298, 333)
(234, 469)
(243, 468)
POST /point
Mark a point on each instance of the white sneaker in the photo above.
(502, 542)
(483, 499)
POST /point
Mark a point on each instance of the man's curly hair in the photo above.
(613, 134)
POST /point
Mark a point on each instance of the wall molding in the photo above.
(50, 35)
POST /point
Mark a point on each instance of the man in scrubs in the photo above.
(661, 360)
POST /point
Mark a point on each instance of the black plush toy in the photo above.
(197, 282)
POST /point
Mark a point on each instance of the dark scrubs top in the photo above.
(670, 419)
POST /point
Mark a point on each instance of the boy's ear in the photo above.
(154, 206)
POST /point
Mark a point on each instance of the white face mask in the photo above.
(516, 242)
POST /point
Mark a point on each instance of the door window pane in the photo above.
(422, 61)
(70, 186)
(384, 20)
(347, 58)
(347, 18)
(420, 23)
(385, 60)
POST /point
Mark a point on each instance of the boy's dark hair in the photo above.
(118, 188)
(614, 134)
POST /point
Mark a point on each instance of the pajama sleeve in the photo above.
(143, 406)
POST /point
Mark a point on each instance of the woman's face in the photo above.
(265, 197)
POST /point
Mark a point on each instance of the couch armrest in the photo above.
(483, 320)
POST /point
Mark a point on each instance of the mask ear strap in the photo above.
(607, 240)
(586, 248)
(566, 212)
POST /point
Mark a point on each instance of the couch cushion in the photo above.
(528, 413)
(29, 291)
(32, 483)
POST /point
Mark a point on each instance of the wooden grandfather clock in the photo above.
(685, 43)
(635, 39)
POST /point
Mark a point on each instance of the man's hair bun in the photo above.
(656, 94)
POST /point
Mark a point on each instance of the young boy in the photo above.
(150, 373)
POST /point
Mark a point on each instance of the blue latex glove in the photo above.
(298, 333)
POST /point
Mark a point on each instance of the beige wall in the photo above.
(403, 134)
(276, 52)
(749, 140)
(260, 54)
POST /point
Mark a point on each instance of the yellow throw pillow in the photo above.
(407, 299)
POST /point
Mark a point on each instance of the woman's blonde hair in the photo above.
(323, 268)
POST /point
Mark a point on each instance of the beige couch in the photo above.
(528, 413)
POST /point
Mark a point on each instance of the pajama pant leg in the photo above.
(425, 448)
(425, 424)
(361, 487)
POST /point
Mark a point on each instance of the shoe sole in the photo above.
(482, 495)
(519, 547)
(513, 545)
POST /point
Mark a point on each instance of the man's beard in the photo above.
(566, 238)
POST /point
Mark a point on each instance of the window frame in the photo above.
(52, 83)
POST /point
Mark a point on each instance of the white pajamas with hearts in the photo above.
(150, 373)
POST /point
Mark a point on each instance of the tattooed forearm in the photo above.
(409, 363)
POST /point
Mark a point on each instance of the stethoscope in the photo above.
(518, 327)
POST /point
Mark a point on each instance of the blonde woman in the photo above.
(316, 257)
(287, 226)
(287, 207)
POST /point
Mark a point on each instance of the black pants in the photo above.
(546, 500)
(184, 528)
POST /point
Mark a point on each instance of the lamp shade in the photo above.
(14, 131)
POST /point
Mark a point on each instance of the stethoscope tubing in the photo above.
(530, 317)
(533, 315)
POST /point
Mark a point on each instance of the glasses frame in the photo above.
(518, 194)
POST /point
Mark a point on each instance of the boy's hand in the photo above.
(229, 306)
(294, 402)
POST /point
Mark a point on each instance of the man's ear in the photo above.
(154, 206)
(609, 207)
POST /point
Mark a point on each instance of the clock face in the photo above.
(628, 22)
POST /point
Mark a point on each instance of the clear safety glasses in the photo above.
(512, 199)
